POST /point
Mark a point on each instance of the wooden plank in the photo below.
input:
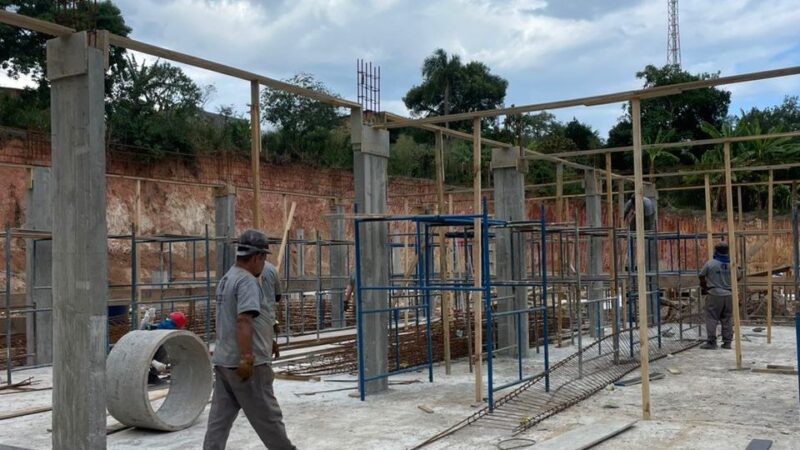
(255, 151)
(739, 204)
(770, 256)
(560, 193)
(476, 258)
(293, 377)
(286, 227)
(726, 149)
(779, 366)
(775, 371)
(588, 435)
(425, 408)
(612, 269)
(25, 412)
(445, 295)
(641, 273)
(709, 222)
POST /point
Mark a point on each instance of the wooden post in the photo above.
(446, 310)
(733, 254)
(137, 227)
(255, 151)
(624, 257)
(559, 192)
(641, 264)
(286, 227)
(709, 223)
(477, 257)
(612, 272)
(770, 257)
(741, 211)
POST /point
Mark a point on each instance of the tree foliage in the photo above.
(449, 87)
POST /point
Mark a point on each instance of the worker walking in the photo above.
(271, 283)
(243, 354)
(715, 284)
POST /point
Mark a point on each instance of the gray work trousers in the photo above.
(256, 397)
(719, 309)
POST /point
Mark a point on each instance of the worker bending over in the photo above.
(243, 354)
(715, 284)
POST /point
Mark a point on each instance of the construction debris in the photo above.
(638, 380)
(425, 408)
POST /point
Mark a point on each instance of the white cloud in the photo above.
(548, 50)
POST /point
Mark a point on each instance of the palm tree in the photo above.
(659, 154)
(442, 70)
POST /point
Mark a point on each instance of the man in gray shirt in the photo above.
(271, 283)
(243, 352)
(715, 283)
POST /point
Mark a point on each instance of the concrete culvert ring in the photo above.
(127, 367)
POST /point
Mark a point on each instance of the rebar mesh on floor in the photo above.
(572, 379)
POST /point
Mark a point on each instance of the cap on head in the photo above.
(251, 242)
(721, 248)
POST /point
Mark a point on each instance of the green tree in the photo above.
(450, 87)
(22, 54)
(155, 107)
(303, 125)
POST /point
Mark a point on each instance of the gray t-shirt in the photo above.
(718, 277)
(271, 283)
(649, 213)
(240, 292)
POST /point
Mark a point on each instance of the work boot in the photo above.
(709, 346)
(726, 345)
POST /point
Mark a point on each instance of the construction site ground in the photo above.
(707, 405)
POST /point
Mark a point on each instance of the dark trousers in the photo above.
(256, 397)
(719, 309)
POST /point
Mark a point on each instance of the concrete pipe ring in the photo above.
(127, 367)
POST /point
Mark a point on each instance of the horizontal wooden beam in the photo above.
(618, 97)
(49, 28)
(602, 151)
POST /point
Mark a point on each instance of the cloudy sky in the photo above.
(546, 49)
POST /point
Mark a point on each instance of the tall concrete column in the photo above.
(508, 171)
(39, 268)
(225, 227)
(338, 263)
(80, 255)
(370, 163)
(595, 247)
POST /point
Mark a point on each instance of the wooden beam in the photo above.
(726, 148)
(618, 97)
(477, 258)
(681, 144)
(559, 193)
(612, 272)
(641, 264)
(741, 210)
(255, 151)
(770, 258)
(445, 295)
(284, 239)
(709, 223)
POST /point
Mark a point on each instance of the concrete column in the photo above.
(225, 227)
(370, 162)
(80, 254)
(595, 248)
(338, 263)
(508, 171)
(39, 267)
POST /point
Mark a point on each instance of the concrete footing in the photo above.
(126, 378)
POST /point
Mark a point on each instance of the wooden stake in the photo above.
(733, 254)
(559, 193)
(446, 310)
(255, 152)
(709, 223)
(741, 212)
(770, 257)
(286, 227)
(641, 271)
(610, 221)
(476, 257)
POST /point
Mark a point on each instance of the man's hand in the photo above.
(276, 351)
(245, 368)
